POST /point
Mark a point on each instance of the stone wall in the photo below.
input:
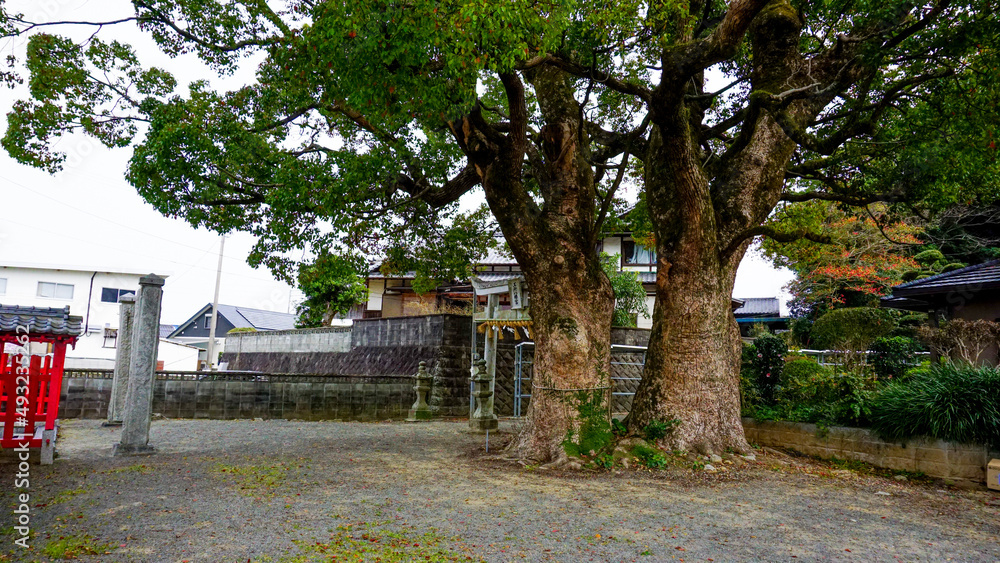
(394, 347)
(332, 339)
(363, 398)
(935, 458)
(374, 347)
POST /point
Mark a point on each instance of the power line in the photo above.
(140, 231)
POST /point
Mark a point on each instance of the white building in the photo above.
(91, 293)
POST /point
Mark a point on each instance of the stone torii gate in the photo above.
(490, 322)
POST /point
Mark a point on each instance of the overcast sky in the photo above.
(89, 216)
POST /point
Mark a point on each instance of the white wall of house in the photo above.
(91, 353)
(31, 285)
(89, 295)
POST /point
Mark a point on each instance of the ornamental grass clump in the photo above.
(948, 402)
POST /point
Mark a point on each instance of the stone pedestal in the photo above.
(483, 418)
(421, 410)
(142, 368)
(123, 359)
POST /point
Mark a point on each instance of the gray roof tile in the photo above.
(266, 320)
(971, 278)
(758, 307)
(40, 320)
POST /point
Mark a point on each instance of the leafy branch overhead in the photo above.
(370, 101)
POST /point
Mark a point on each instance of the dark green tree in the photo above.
(630, 296)
(332, 284)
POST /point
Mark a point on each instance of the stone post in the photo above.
(483, 419)
(123, 357)
(490, 347)
(142, 368)
(420, 410)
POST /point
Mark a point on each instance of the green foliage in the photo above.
(593, 430)
(630, 297)
(767, 360)
(605, 461)
(852, 329)
(331, 285)
(658, 429)
(813, 393)
(72, 547)
(891, 356)
(948, 402)
(242, 329)
(650, 457)
(618, 427)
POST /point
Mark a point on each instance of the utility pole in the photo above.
(215, 309)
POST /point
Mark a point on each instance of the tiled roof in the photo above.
(165, 330)
(758, 307)
(266, 320)
(40, 320)
(971, 278)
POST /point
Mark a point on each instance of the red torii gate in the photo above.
(30, 384)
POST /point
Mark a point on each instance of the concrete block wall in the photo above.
(312, 398)
(372, 347)
(331, 339)
(935, 458)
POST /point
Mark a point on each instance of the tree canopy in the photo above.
(366, 121)
(332, 285)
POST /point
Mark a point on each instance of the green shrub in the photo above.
(650, 457)
(593, 432)
(767, 361)
(947, 402)
(891, 356)
(852, 329)
(749, 390)
(242, 329)
(813, 393)
(658, 429)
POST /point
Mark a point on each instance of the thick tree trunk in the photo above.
(693, 361)
(571, 308)
(571, 300)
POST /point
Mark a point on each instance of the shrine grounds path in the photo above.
(286, 491)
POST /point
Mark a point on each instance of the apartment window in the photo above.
(637, 254)
(208, 320)
(3, 286)
(55, 290)
(112, 295)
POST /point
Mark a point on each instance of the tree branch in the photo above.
(776, 235)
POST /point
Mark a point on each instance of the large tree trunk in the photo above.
(693, 361)
(571, 308)
(571, 301)
(704, 211)
(692, 364)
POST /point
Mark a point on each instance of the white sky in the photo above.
(88, 215)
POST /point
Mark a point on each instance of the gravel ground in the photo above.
(285, 491)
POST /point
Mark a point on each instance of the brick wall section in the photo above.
(301, 397)
(935, 458)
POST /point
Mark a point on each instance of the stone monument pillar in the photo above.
(483, 420)
(142, 368)
(484, 374)
(123, 357)
(421, 410)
